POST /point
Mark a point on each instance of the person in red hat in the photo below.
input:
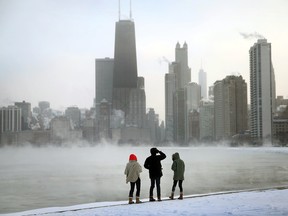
(132, 172)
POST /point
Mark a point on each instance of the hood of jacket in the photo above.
(175, 156)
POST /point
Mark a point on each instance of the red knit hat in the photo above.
(133, 157)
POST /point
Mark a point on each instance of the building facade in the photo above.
(181, 57)
(74, 114)
(179, 116)
(125, 60)
(230, 99)
(176, 108)
(170, 88)
(104, 81)
(125, 75)
(262, 90)
(26, 114)
(202, 81)
(192, 98)
(10, 119)
(206, 121)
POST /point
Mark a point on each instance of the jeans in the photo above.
(132, 186)
(180, 185)
(153, 181)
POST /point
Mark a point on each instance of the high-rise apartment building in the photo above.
(137, 109)
(176, 82)
(10, 119)
(230, 101)
(206, 120)
(192, 98)
(26, 115)
(262, 90)
(104, 81)
(179, 111)
(170, 88)
(181, 57)
(104, 120)
(43, 105)
(137, 105)
(219, 111)
(202, 81)
(193, 129)
(74, 114)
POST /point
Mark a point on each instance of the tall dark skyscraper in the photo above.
(125, 61)
(125, 75)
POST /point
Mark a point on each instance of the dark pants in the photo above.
(180, 185)
(153, 181)
(132, 186)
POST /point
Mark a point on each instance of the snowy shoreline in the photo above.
(263, 201)
(93, 175)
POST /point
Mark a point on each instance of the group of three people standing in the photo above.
(153, 164)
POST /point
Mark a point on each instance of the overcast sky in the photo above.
(48, 47)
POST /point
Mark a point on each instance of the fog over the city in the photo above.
(48, 47)
(35, 177)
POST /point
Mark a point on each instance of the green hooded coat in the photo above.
(178, 167)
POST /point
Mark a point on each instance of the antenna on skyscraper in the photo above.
(119, 12)
(130, 11)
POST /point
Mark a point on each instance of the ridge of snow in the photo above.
(267, 201)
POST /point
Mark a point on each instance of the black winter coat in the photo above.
(153, 164)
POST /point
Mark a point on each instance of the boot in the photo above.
(138, 200)
(159, 198)
(130, 200)
(181, 196)
(172, 196)
(152, 199)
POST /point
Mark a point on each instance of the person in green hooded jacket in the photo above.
(178, 167)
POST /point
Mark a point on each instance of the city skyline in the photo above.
(48, 48)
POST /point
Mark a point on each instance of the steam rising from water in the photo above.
(253, 35)
(55, 176)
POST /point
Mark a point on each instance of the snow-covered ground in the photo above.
(251, 203)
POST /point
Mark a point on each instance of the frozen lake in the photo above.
(52, 176)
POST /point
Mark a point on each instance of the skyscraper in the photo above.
(179, 115)
(230, 98)
(192, 98)
(176, 82)
(170, 88)
(192, 95)
(219, 115)
(26, 114)
(10, 119)
(104, 81)
(202, 76)
(74, 114)
(206, 120)
(125, 65)
(262, 89)
(181, 57)
(125, 61)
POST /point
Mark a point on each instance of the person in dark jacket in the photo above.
(178, 166)
(153, 164)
